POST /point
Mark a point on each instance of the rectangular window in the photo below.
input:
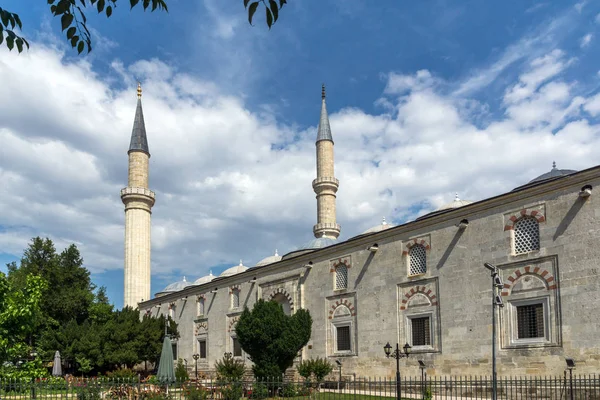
(174, 348)
(341, 277)
(343, 338)
(202, 348)
(421, 331)
(237, 349)
(235, 298)
(530, 321)
(200, 306)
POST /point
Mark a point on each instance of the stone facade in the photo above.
(380, 298)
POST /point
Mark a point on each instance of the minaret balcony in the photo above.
(137, 190)
(137, 197)
(326, 182)
(327, 227)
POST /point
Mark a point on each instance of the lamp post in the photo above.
(570, 367)
(196, 357)
(423, 377)
(397, 355)
(496, 302)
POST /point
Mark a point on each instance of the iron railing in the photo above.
(580, 387)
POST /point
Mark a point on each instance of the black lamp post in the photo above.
(496, 303)
(397, 355)
(196, 357)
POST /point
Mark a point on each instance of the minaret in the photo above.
(138, 200)
(325, 186)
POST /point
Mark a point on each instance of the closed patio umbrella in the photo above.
(166, 372)
(56, 365)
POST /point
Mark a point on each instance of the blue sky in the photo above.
(426, 99)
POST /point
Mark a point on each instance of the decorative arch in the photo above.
(414, 242)
(201, 297)
(524, 213)
(343, 302)
(340, 261)
(541, 273)
(284, 293)
(430, 294)
(201, 327)
(234, 287)
(232, 323)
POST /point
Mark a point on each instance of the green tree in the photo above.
(73, 20)
(272, 338)
(18, 309)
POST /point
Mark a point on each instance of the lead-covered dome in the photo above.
(234, 270)
(269, 260)
(454, 204)
(204, 279)
(175, 287)
(381, 227)
(553, 173)
(317, 243)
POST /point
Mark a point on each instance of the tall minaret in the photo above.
(325, 186)
(138, 200)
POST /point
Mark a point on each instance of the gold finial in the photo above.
(323, 91)
(139, 90)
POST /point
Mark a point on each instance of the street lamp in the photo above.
(496, 302)
(397, 355)
(423, 377)
(570, 367)
(196, 357)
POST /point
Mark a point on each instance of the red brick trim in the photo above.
(414, 242)
(232, 323)
(201, 296)
(430, 294)
(339, 262)
(524, 213)
(343, 302)
(234, 287)
(285, 294)
(546, 276)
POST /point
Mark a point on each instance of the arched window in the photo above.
(527, 235)
(235, 298)
(341, 277)
(418, 259)
(285, 303)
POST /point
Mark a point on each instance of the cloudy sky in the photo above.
(425, 99)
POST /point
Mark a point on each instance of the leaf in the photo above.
(80, 47)
(74, 40)
(1, 37)
(26, 42)
(4, 18)
(66, 20)
(146, 4)
(133, 3)
(269, 17)
(274, 10)
(18, 21)
(62, 7)
(251, 11)
(19, 43)
(108, 11)
(100, 6)
(10, 42)
(246, 3)
(70, 32)
(154, 4)
(282, 2)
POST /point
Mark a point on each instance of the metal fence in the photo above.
(580, 387)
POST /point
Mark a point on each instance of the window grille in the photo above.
(418, 260)
(530, 321)
(421, 333)
(202, 348)
(343, 338)
(201, 306)
(235, 298)
(341, 277)
(527, 235)
(237, 349)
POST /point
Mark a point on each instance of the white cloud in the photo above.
(234, 184)
(579, 6)
(586, 40)
(598, 18)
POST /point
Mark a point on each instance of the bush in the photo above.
(122, 373)
(259, 391)
(319, 367)
(289, 390)
(194, 392)
(181, 374)
(232, 391)
(229, 369)
(90, 390)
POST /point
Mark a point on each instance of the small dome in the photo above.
(455, 204)
(554, 173)
(318, 243)
(269, 260)
(234, 270)
(204, 279)
(176, 286)
(381, 227)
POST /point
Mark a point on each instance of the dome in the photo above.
(176, 286)
(317, 243)
(381, 227)
(234, 270)
(455, 204)
(553, 173)
(269, 260)
(204, 279)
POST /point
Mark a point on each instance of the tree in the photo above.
(18, 309)
(74, 21)
(272, 338)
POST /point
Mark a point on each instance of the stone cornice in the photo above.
(507, 201)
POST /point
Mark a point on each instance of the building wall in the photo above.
(455, 291)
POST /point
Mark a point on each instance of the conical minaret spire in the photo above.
(326, 185)
(138, 200)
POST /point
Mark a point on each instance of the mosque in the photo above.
(422, 282)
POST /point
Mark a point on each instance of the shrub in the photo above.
(181, 373)
(259, 391)
(89, 391)
(122, 373)
(321, 368)
(229, 369)
(289, 390)
(232, 391)
(194, 392)
(305, 369)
